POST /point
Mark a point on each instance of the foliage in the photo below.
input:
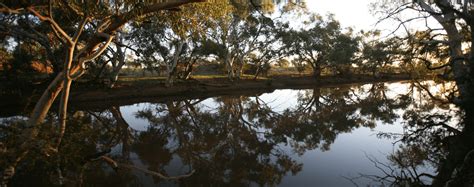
(322, 44)
(377, 53)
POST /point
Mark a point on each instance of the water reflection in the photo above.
(251, 140)
(437, 134)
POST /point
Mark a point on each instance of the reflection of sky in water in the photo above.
(278, 101)
(347, 156)
(128, 113)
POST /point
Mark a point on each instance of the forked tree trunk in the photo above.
(63, 109)
(37, 116)
(67, 81)
(459, 66)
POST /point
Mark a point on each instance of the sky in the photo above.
(351, 13)
(357, 14)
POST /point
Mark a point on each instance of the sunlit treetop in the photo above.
(193, 19)
(126, 5)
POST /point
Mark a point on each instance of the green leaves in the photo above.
(377, 53)
(323, 44)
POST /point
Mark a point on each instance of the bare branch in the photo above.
(79, 32)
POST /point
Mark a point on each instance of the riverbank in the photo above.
(137, 91)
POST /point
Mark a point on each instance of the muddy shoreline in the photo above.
(194, 89)
(131, 93)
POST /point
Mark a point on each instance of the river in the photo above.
(331, 136)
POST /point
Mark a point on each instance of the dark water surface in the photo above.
(338, 136)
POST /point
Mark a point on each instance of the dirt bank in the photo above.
(131, 92)
(126, 94)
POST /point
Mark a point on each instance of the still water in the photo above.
(330, 136)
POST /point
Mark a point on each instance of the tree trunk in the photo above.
(240, 68)
(470, 77)
(65, 94)
(37, 116)
(458, 148)
(257, 72)
(123, 130)
(44, 103)
(63, 109)
(170, 77)
(317, 71)
(189, 70)
(459, 66)
(374, 72)
(171, 67)
(121, 61)
(229, 62)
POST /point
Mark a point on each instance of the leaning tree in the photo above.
(448, 24)
(447, 27)
(104, 18)
(101, 20)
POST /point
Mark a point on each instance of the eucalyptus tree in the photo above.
(321, 45)
(452, 30)
(223, 40)
(117, 57)
(106, 68)
(168, 42)
(245, 34)
(377, 53)
(265, 46)
(101, 20)
(104, 18)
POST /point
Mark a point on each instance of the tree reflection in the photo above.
(243, 140)
(90, 135)
(438, 135)
(222, 146)
(324, 113)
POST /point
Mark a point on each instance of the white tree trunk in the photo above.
(229, 62)
(171, 66)
(120, 53)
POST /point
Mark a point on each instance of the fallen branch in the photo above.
(115, 165)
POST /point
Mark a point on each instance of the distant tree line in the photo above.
(239, 36)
